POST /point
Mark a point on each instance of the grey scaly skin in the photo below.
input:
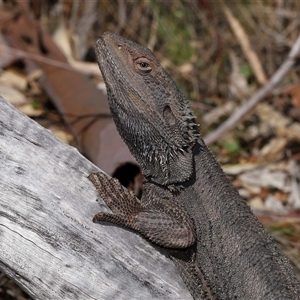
(188, 204)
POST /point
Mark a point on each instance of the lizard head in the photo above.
(151, 114)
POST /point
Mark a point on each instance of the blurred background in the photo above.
(219, 54)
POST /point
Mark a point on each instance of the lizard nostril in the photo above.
(119, 47)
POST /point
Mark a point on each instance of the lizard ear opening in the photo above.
(168, 115)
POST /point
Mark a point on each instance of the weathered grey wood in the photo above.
(48, 242)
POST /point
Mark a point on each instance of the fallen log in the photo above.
(48, 243)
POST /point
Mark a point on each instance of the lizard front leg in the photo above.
(154, 217)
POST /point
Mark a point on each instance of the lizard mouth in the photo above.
(101, 52)
(106, 51)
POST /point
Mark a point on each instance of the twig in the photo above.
(279, 37)
(73, 65)
(243, 39)
(245, 109)
(84, 25)
(153, 29)
(35, 57)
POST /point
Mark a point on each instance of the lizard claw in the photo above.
(123, 203)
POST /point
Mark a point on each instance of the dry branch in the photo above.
(246, 108)
(48, 242)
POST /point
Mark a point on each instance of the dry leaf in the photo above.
(12, 95)
(216, 113)
(239, 168)
(273, 149)
(272, 203)
(238, 85)
(186, 68)
(294, 92)
(30, 111)
(14, 80)
(62, 134)
(60, 37)
(264, 177)
(282, 126)
(256, 203)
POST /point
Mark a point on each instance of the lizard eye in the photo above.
(143, 65)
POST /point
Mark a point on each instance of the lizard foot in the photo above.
(155, 218)
(124, 204)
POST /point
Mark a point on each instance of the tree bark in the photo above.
(48, 242)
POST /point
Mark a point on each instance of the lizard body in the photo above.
(188, 204)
